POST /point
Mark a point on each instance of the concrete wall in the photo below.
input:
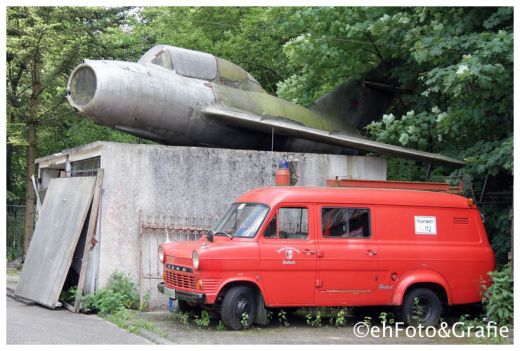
(186, 181)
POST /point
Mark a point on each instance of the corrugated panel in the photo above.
(55, 237)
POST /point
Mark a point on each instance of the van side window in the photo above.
(341, 222)
(289, 223)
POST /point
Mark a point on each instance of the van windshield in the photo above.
(242, 220)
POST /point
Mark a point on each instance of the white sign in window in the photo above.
(425, 225)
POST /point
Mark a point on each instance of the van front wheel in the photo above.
(238, 309)
(421, 306)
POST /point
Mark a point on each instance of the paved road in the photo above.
(33, 324)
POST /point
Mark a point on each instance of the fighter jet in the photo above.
(178, 96)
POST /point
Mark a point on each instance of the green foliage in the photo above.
(269, 316)
(416, 312)
(127, 320)
(145, 304)
(282, 318)
(183, 317)
(314, 320)
(69, 295)
(386, 318)
(50, 41)
(221, 326)
(340, 320)
(119, 294)
(202, 321)
(498, 299)
(367, 320)
(245, 320)
(498, 224)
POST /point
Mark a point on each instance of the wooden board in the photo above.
(55, 237)
(90, 233)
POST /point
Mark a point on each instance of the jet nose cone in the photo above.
(82, 86)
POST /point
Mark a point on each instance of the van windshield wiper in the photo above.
(220, 232)
(211, 234)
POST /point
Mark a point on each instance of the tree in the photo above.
(455, 66)
(43, 44)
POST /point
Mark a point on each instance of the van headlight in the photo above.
(195, 259)
(161, 254)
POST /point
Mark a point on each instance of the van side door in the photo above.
(347, 256)
(288, 256)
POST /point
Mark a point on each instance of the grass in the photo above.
(133, 322)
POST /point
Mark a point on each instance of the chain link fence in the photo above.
(15, 221)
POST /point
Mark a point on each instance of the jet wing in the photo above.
(286, 127)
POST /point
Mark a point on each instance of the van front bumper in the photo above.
(181, 295)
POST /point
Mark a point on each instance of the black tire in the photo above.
(185, 307)
(426, 311)
(238, 299)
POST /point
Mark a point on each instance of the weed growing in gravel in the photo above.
(182, 317)
(282, 318)
(314, 320)
(269, 316)
(221, 326)
(145, 304)
(340, 321)
(386, 318)
(367, 320)
(127, 320)
(202, 321)
(245, 320)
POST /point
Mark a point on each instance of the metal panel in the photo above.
(55, 238)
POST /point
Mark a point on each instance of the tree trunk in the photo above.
(9, 158)
(30, 195)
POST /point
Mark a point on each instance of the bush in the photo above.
(498, 298)
(119, 294)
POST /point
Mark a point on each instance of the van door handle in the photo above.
(371, 252)
(309, 252)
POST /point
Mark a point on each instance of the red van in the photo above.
(302, 246)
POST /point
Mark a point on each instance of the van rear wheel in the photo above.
(421, 307)
(238, 302)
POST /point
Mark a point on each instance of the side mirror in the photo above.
(209, 235)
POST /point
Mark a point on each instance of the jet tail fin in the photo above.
(357, 102)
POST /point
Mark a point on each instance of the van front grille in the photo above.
(178, 280)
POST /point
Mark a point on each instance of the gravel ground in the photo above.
(297, 333)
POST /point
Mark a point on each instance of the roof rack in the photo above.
(390, 184)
